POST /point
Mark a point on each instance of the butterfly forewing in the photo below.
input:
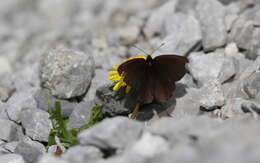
(133, 71)
(168, 69)
(171, 67)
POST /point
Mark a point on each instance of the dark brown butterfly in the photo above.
(153, 78)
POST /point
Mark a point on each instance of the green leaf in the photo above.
(60, 125)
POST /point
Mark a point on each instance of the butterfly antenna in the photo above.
(140, 49)
(162, 44)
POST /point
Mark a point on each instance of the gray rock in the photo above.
(126, 158)
(245, 34)
(251, 85)
(9, 147)
(232, 108)
(57, 12)
(115, 103)
(231, 50)
(229, 20)
(182, 153)
(241, 33)
(11, 158)
(53, 159)
(100, 79)
(5, 92)
(30, 150)
(129, 35)
(20, 100)
(149, 145)
(45, 100)
(66, 73)
(83, 153)
(240, 62)
(187, 103)
(81, 114)
(251, 106)
(255, 47)
(213, 141)
(228, 69)
(232, 12)
(227, 1)
(154, 24)
(239, 86)
(3, 112)
(8, 131)
(212, 96)
(36, 123)
(202, 72)
(186, 7)
(257, 18)
(181, 130)
(183, 34)
(5, 66)
(252, 68)
(153, 111)
(107, 57)
(213, 27)
(115, 133)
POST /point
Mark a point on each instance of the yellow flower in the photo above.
(117, 79)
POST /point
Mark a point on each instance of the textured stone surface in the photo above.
(182, 33)
(11, 158)
(252, 85)
(30, 150)
(9, 148)
(213, 115)
(81, 114)
(242, 32)
(5, 92)
(116, 103)
(8, 131)
(83, 153)
(212, 25)
(36, 123)
(129, 35)
(212, 96)
(52, 159)
(66, 73)
(202, 72)
(45, 100)
(251, 106)
(155, 22)
(115, 133)
(19, 101)
(99, 80)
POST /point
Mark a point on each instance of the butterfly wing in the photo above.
(133, 71)
(168, 69)
(171, 66)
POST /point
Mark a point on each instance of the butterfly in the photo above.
(153, 78)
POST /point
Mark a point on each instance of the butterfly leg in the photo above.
(136, 110)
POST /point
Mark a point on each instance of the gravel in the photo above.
(55, 50)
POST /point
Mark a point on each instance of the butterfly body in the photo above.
(153, 78)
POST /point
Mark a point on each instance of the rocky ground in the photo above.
(61, 50)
